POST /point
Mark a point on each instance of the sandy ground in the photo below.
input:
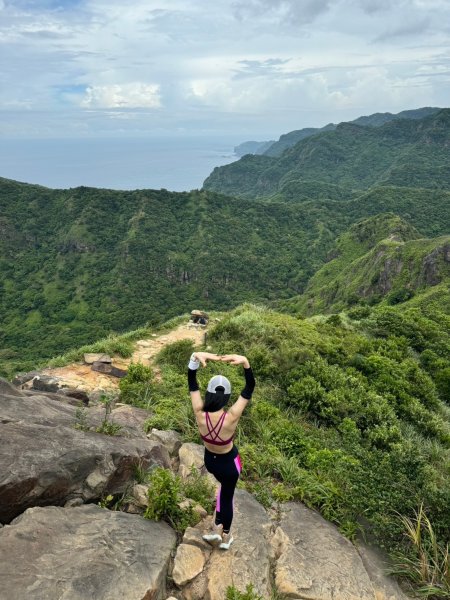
(79, 375)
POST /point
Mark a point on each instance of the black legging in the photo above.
(226, 469)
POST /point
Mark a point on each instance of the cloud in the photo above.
(129, 95)
(287, 11)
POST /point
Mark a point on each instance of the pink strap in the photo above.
(212, 429)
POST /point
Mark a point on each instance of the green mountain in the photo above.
(382, 258)
(403, 152)
(78, 264)
(288, 140)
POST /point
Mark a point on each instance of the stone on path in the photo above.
(193, 455)
(189, 562)
(84, 553)
(90, 358)
(314, 561)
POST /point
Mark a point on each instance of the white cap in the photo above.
(219, 381)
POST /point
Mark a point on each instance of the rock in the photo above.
(9, 389)
(314, 561)
(60, 396)
(247, 561)
(22, 378)
(130, 418)
(197, 508)
(44, 460)
(191, 455)
(189, 562)
(77, 394)
(193, 536)
(140, 494)
(45, 383)
(90, 358)
(376, 565)
(108, 369)
(133, 509)
(170, 439)
(84, 553)
(144, 343)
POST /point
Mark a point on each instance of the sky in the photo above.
(252, 69)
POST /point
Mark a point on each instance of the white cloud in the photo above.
(190, 64)
(129, 95)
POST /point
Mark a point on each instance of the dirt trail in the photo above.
(80, 375)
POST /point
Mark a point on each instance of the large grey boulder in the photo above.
(377, 565)
(45, 460)
(84, 553)
(314, 561)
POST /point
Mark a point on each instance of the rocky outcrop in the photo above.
(130, 418)
(88, 552)
(84, 553)
(314, 561)
(170, 439)
(45, 460)
(377, 565)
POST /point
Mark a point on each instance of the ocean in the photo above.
(177, 164)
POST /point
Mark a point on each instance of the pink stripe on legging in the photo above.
(237, 462)
(218, 500)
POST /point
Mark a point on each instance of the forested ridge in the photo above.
(405, 152)
(77, 264)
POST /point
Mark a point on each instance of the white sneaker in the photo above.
(215, 534)
(227, 540)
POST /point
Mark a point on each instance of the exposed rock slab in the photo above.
(84, 553)
(376, 565)
(44, 460)
(314, 561)
(170, 439)
(247, 561)
(189, 562)
(130, 418)
(193, 455)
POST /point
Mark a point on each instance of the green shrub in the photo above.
(424, 560)
(136, 387)
(164, 496)
(176, 355)
(197, 487)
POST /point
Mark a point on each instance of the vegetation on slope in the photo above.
(77, 265)
(288, 140)
(345, 417)
(378, 259)
(402, 152)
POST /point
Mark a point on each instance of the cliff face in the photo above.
(381, 258)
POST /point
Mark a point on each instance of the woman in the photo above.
(217, 429)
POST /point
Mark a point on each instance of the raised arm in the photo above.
(238, 407)
(194, 364)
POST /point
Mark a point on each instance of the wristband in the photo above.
(194, 363)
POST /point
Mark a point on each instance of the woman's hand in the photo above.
(236, 359)
(203, 357)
